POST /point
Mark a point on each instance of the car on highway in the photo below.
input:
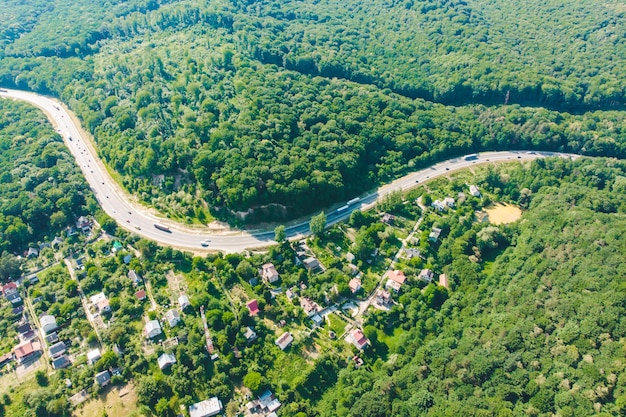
(127, 221)
(205, 243)
(137, 227)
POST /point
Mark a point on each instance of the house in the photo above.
(397, 276)
(32, 253)
(183, 302)
(269, 273)
(443, 281)
(172, 317)
(26, 351)
(284, 340)
(141, 295)
(449, 202)
(127, 259)
(309, 306)
(474, 191)
(358, 362)
(48, 323)
(6, 358)
(438, 205)
(13, 297)
(152, 329)
(83, 223)
(412, 253)
(23, 329)
(17, 311)
(358, 339)
(350, 257)
(117, 246)
(100, 302)
(56, 241)
(317, 319)
(354, 285)
(395, 280)
(61, 362)
(52, 338)
(265, 405)
(250, 335)
(434, 234)
(268, 402)
(388, 219)
(311, 263)
(290, 293)
(80, 263)
(103, 378)
(166, 360)
(10, 287)
(134, 277)
(93, 356)
(354, 270)
(206, 408)
(426, 275)
(57, 349)
(383, 298)
(11, 293)
(393, 285)
(253, 307)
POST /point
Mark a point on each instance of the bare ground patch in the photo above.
(502, 213)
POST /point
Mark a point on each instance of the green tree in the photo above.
(317, 224)
(10, 266)
(253, 380)
(279, 234)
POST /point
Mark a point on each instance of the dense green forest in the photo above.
(285, 107)
(43, 191)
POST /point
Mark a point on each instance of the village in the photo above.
(308, 298)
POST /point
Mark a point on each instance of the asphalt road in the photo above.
(131, 216)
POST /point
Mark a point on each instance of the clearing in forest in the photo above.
(116, 401)
(502, 213)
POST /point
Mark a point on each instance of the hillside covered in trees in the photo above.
(285, 107)
(43, 191)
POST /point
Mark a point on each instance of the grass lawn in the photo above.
(111, 402)
(337, 324)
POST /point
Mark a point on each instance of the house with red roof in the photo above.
(141, 295)
(253, 307)
(25, 351)
(358, 339)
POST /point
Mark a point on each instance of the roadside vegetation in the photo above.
(260, 111)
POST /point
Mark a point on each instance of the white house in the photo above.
(172, 317)
(474, 191)
(206, 408)
(269, 273)
(166, 360)
(48, 323)
(152, 329)
(183, 302)
(93, 356)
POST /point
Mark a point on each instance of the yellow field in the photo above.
(111, 402)
(502, 213)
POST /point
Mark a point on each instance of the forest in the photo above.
(43, 191)
(261, 110)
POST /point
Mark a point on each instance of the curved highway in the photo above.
(132, 216)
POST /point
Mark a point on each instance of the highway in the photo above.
(130, 215)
